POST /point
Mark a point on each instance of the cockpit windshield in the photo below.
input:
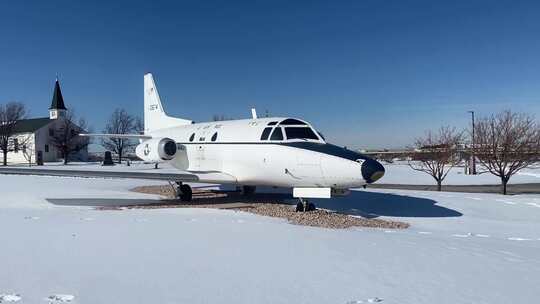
(277, 134)
(290, 129)
(292, 121)
(300, 133)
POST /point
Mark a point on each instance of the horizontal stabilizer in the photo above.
(133, 136)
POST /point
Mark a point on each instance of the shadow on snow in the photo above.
(361, 203)
(374, 204)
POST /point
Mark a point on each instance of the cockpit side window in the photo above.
(277, 134)
(272, 123)
(300, 132)
(292, 121)
(265, 133)
(192, 137)
(214, 137)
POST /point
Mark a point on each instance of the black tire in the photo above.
(299, 207)
(310, 207)
(248, 190)
(185, 193)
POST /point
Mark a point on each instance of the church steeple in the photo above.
(57, 108)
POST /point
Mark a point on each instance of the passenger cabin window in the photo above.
(300, 132)
(214, 137)
(266, 133)
(272, 123)
(291, 121)
(277, 134)
(192, 137)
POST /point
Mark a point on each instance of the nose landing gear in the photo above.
(305, 206)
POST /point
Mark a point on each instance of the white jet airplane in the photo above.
(271, 151)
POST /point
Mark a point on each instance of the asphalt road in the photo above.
(512, 188)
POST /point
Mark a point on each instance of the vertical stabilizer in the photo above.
(155, 117)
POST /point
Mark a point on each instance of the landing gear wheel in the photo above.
(185, 193)
(248, 190)
(310, 207)
(305, 206)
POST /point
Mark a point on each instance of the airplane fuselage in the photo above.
(279, 151)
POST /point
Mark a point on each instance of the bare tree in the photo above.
(139, 126)
(121, 122)
(28, 149)
(66, 136)
(437, 153)
(506, 143)
(10, 114)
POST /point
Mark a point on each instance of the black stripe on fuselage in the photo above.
(326, 148)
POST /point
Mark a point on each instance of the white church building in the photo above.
(32, 141)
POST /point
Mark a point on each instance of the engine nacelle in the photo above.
(156, 150)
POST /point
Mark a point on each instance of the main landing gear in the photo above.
(305, 206)
(248, 190)
(184, 192)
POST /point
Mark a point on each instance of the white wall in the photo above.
(17, 157)
(36, 142)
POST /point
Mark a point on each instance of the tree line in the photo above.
(503, 144)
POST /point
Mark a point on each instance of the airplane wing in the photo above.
(134, 136)
(214, 177)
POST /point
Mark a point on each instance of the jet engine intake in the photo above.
(156, 149)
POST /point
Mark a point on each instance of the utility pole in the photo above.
(473, 171)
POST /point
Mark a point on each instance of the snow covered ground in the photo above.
(401, 173)
(461, 248)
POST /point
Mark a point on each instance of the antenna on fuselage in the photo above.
(253, 113)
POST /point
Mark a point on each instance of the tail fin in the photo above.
(154, 114)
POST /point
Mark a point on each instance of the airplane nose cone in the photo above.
(372, 170)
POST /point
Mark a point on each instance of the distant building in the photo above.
(33, 137)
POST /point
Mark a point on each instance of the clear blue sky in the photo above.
(366, 73)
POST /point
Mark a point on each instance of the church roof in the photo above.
(57, 100)
(30, 125)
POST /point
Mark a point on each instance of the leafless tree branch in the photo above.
(437, 153)
(506, 143)
(10, 114)
(121, 122)
(66, 136)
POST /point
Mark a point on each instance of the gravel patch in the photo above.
(322, 218)
(261, 204)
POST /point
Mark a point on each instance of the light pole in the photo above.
(472, 148)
